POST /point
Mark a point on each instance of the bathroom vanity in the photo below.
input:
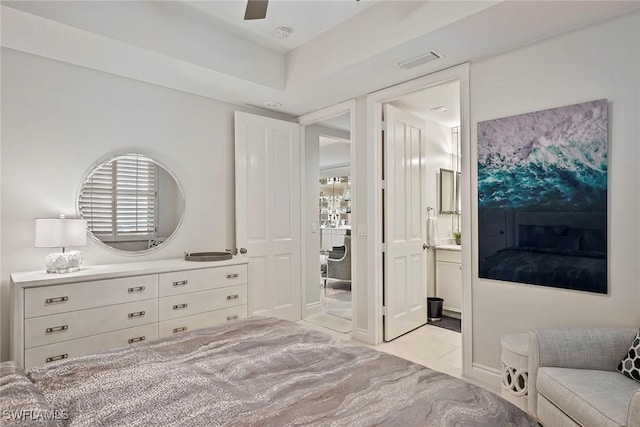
(449, 276)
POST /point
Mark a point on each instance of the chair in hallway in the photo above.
(339, 262)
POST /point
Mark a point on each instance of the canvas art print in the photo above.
(542, 197)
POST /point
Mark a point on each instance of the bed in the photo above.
(258, 371)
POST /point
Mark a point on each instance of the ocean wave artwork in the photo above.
(542, 187)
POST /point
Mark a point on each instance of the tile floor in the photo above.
(434, 347)
(430, 346)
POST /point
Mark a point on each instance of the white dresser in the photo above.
(57, 316)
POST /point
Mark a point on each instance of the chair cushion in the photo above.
(630, 365)
(590, 397)
(337, 252)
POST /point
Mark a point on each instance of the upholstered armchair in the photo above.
(340, 267)
(573, 378)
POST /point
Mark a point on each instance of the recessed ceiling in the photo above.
(306, 18)
(351, 49)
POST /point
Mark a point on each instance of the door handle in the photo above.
(424, 246)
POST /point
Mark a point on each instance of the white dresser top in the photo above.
(109, 271)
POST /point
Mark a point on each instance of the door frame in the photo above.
(309, 119)
(374, 206)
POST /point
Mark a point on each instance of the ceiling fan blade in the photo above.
(256, 9)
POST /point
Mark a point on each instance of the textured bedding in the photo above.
(261, 371)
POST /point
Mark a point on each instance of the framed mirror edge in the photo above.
(114, 156)
(455, 191)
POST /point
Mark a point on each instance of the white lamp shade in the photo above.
(60, 232)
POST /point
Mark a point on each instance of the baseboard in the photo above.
(453, 314)
(312, 308)
(362, 335)
(486, 375)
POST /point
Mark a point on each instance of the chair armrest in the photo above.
(633, 419)
(587, 348)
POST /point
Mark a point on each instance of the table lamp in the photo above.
(60, 233)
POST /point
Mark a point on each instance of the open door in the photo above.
(405, 257)
(268, 210)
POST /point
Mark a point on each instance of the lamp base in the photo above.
(63, 262)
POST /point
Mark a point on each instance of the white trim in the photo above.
(466, 222)
(374, 214)
(303, 240)
(312, 309)
(307, 119)
(329, 113)
(488, 376)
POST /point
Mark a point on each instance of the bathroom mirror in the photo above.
(449, 191)
(131, 203)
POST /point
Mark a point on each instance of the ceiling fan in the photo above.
(256, 9)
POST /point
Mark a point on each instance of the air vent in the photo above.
(419, 60)
(440, 109)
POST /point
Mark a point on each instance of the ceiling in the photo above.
(341, 122)
(338, 49)
(423, 102)
(305, 18)
(335, 147)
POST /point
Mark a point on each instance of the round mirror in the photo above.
(131, 203)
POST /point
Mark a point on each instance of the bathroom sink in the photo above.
(207, 256)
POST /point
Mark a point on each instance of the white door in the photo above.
(405, 257)
(268, 210)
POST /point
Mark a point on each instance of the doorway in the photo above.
(379, 188)
(422, 217)
(328, 194)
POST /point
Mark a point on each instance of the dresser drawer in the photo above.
(93, 344)
(448, 256)
(181, 282)
(199, 302)
(189, 323)
(77, 324)
(78, 296)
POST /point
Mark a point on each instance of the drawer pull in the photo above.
(136, 289)
(233, 276)
(57, 300)
(179, 306)
(136, 314)
(58, 357)
(136, 339)
(234, 317)
(180, 329)
(236, 296)
(180, 283)
(57, 329)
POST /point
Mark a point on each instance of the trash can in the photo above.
(434, 308)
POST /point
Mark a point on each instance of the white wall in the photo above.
(600, 61)
(58, 119)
